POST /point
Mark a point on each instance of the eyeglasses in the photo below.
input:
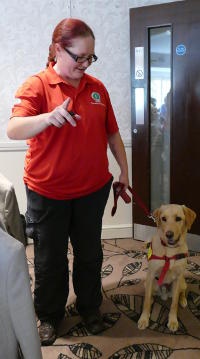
(80, 59)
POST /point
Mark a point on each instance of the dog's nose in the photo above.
(169, 234)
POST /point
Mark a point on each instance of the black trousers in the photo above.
(51, 223)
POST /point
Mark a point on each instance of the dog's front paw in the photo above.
(183, 301)
(143, 322)
(173, 324)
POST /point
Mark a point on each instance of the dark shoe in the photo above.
(47, 334)
(94, 323)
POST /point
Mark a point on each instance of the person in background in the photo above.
(67, 117)
(18, 330)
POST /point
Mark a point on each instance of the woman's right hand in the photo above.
(23, 128)
(60, 116)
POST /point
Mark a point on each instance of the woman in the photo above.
(67, 117)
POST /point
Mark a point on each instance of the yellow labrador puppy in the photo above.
(167, 256)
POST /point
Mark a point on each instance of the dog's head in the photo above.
(173, 221)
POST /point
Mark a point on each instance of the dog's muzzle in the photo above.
(170, 238)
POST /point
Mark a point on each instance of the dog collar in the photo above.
(165, 268)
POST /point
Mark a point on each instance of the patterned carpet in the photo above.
(123, 273)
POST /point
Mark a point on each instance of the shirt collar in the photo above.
(53, 78)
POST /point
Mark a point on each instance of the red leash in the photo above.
(118, 191)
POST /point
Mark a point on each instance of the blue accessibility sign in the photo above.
(180, 49)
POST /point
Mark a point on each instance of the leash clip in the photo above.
(150, 216)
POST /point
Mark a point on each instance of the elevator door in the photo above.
(165, 87)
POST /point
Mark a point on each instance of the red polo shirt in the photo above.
(67, 162)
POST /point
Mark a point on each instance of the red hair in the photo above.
(65, 31)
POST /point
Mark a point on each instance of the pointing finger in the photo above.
(66, 103)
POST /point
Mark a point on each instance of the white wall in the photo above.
(26, 28)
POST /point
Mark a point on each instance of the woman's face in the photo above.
(66, 66)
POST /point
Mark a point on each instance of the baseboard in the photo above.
(142, 233)
(112, 232)
(117, 231)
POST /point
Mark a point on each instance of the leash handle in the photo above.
(118, 191)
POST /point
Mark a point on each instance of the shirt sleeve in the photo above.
(28, 98)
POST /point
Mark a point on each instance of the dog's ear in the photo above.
(190, 216)
(156, 215)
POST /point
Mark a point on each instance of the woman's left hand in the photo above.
(124, 179)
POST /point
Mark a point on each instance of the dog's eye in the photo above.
(178, 219)
(164, 219)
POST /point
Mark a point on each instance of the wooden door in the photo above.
(164, 39)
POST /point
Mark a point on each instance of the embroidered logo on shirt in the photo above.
(96, 97)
